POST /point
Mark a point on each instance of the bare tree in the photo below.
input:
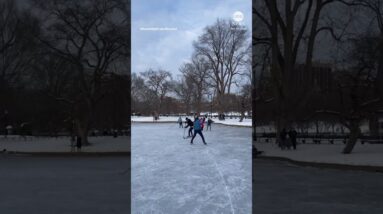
(374, 9)
(91, 35)
(223, 44)
(17, 47)
(137, 90)
(292, 28)
(159, 81)
(245, 100)
(357, 99)
(185, 89)
(144, 99)
(196, 72)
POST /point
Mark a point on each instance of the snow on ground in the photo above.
(227, 121)
(171, 176)
(312, 128)
(362, 155)
(62, 144)
(150, 119)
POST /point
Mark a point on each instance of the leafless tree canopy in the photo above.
(288, 42)
(71, 54)
(223, 45)
(220, 61)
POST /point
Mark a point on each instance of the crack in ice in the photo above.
(223, 180)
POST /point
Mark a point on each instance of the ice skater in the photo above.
(79, 143)
(180, 122)
(198, 130)
(190, 125)
(209, 122)
(293, 137)
(72, 142)
(202, 122)
(283, 139)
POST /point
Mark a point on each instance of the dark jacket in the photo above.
(189, 123)
(283, 134)
(293, 134)
(209, 121)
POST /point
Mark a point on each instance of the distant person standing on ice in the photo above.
(180, 122)
(202, 122)
(293, 137)
(190, 125)
(209, 122)
(197, 130)
(79, 143)
(282, 138)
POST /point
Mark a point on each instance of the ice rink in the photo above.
(63, 185)
(281, 187)
(171, 176)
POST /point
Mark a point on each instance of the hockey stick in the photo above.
(184, 133)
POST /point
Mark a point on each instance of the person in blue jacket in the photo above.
(197, 130)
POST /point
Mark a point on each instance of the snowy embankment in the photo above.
(362, 155)
(62, 144)
(164, 119)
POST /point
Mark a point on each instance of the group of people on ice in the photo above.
(288, 139)
(196, 126)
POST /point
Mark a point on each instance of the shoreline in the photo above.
(322, 165)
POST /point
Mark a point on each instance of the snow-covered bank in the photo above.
(227, 121)
(362, 155)
(62, 144)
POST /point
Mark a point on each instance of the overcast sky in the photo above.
(169, 49)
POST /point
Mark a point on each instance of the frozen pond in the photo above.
(62, 185)
(281, 187)
(171, 176)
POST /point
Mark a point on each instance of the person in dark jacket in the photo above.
(282, 138)
(197, 130)
(202, 122)
(209, 122)
(79, 143)
(293, 137)
(190, 125)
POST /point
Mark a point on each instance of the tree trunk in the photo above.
(82, 122)
(242, 116)
(187, 107)
(243, 109)
(317, 126)
(282, 123)
(374, 125)
(379, 77)
(220, 103)
(354, 135)
(160, 105)
(82, 131)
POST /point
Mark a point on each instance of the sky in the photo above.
(185, 20)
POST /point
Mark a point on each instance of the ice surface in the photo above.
(171, 176)
(282, 187)
(64, 185)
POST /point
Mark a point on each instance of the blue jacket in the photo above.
(197, 125)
